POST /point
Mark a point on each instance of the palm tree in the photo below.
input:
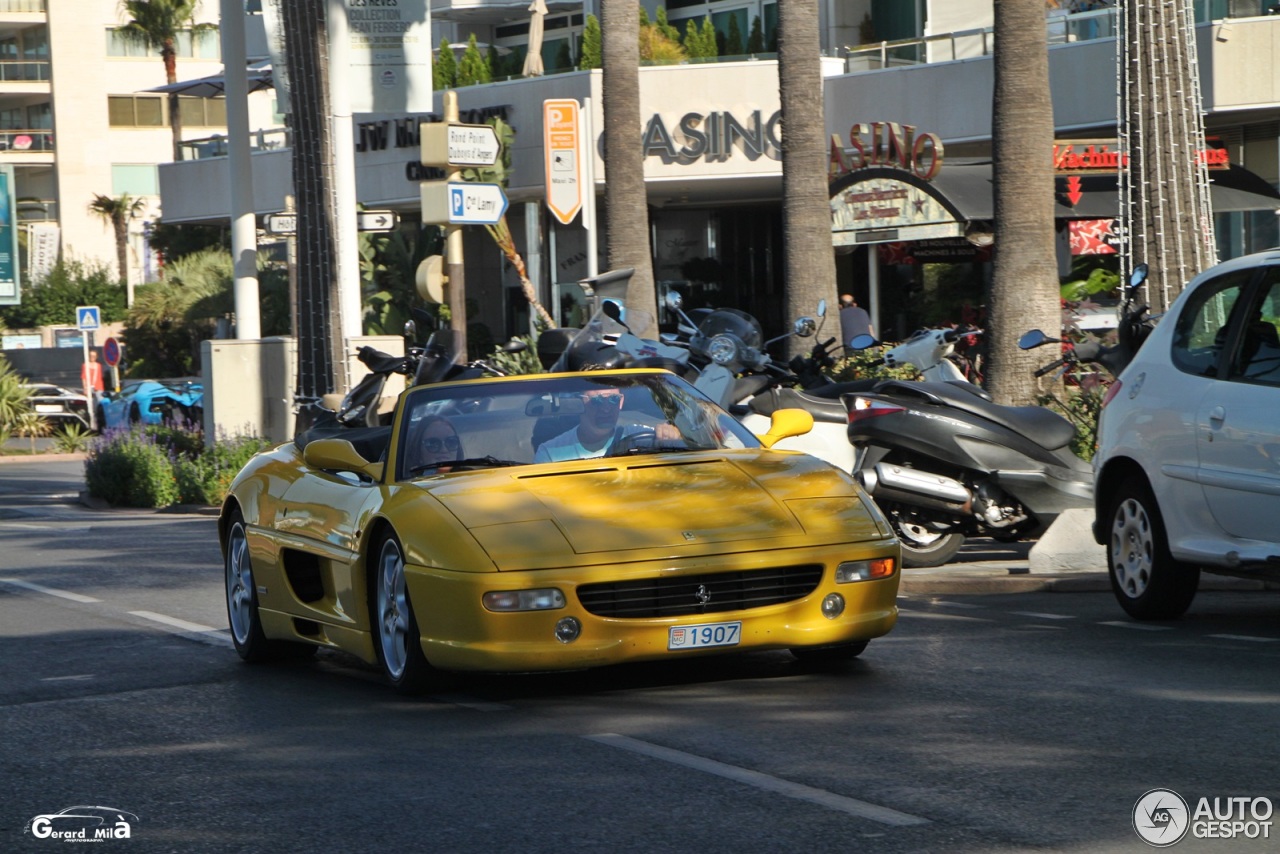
(1024, 288)
(155, 25)
(806, 208)
(117, 212)
(626, 204)
(321, 359)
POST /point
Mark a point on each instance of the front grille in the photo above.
(682, 596)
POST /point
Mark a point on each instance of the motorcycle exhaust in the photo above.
(910, 486)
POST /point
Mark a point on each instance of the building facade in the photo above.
(907, 101)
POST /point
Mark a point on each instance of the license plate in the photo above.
(48, 407)
(708, 634)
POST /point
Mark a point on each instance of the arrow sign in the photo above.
(281, 223)
(1074, 194)
(462, 203)
(459, 145)
(377, 220)
(87, 317)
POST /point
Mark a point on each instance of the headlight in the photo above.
(547, 599)
(864, 570)
(722, 349)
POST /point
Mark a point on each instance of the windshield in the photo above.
(730, 321)
(521, 422)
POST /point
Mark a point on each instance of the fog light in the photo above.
(832, 606)
(568, 629)
(547, 599)
(864, 570)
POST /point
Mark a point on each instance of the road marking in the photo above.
(1142, 627)
(79, 677)
(1040, 616)
(942, 603)
(821, 797)
(49, 591)
(928, 615)
(1250, 638)
(196, 628)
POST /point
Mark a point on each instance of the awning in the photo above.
(214, 86)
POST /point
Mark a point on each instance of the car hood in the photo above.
(594, 510)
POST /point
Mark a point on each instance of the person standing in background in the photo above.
(91, 375)
(854, 320)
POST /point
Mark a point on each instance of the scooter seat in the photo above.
(1043, 426)
(823, 403)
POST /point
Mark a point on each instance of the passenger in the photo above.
(437, 444)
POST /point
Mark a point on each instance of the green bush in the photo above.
(130, 469)
(72, 439)
(206, 478)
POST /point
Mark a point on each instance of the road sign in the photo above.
(462, 203)
(377, 220)
(562, 141)
(281, 223)
(456, 144)
(88, 317)
(111, 352)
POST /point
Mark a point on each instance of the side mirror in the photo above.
(1138, 276)
(339, 455)
(806, 327)
(410, 330)
(822, 308)
(785, 423)
(673, 300)
(862, 342)
(1035, 338)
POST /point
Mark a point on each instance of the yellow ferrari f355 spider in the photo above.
(553, 522)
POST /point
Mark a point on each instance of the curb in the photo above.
(174, 509)
(40, 458)
(967, 581)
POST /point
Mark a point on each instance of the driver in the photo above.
(597, 429)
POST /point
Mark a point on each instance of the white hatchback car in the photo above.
(1187, 473)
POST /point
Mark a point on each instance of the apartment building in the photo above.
(76, 120)
(915, 74)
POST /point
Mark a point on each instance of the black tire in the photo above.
(396, 638)
(829, 656)
(921, 548)
(242, 603)
(100, 416)
(1147, 582)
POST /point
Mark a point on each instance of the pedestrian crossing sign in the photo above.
(87, 317)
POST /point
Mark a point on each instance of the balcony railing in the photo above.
(15, 70)
(26, 140)
(267, 139)
(22, 5)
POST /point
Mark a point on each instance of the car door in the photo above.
(1238, 422)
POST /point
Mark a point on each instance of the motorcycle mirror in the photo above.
(806, 327)
(411, 330)
(822, 308)
(862, 342)
(1138, 276)
(674, 301)
(1035, 338)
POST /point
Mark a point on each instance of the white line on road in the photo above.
(929, 615)
(79, 677)
(1142, 627)
(49, 591)
(821, 797)
(943, 603)
(1251, 638)
(1040, 616)
(174, 622)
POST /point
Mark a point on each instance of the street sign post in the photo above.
(453, 144)
(462, 203)
(111, 355)
(281, 223)
(562, 140)
(377, 220)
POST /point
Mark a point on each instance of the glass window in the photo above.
(135, 179)
(203, 112)
(35, 44)
(40, 117)
(125, 111)
(1258, 359)
(1201, 332)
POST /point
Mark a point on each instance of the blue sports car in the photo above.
(152, 402)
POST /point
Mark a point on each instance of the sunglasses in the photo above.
(434, 445)
(604, 401)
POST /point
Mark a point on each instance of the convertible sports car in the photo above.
(152, 402)
(661, 528)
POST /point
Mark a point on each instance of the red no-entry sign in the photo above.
(111, 352)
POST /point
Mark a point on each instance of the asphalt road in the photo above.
(992, 722)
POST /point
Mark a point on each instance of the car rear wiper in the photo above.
(469, 463)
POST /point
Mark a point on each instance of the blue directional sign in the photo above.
(88, 317)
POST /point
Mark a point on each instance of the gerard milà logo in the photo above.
(83, 824)
(1162, 818)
